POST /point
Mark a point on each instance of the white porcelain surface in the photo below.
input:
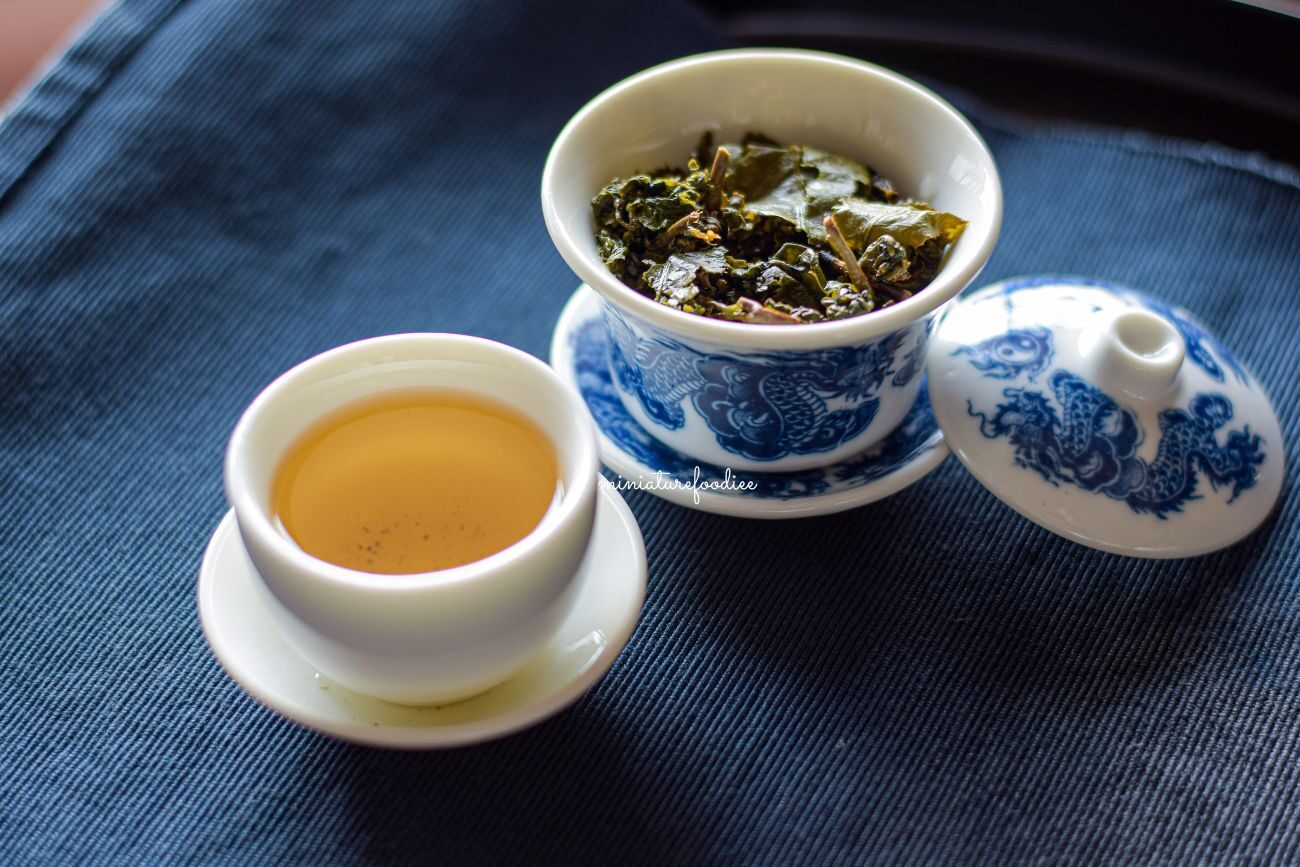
(246, 640)
(845, 106)
(579, 346)
(436, 636)
(1106, 416)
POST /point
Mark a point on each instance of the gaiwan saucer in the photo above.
(254, 654)
(579, 350)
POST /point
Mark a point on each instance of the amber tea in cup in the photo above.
(415, 481)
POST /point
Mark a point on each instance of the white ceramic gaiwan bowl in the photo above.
(769, 397)
(433, 637)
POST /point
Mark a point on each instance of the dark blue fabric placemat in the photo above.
(202, 194)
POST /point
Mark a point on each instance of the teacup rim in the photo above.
(252, 518)
(851, 331)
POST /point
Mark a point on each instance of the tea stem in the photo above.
(893, 293)
(841, 247)
(721, 159)
(678, 227)
(755, 312)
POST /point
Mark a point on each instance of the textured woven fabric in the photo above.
(203, 194)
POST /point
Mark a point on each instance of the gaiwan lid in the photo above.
(1106, 416)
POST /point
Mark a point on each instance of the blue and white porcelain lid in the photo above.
(1106, 416)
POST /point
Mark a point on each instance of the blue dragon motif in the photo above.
(761, 406)
(1008, 355)
(917, 435)
(1093, 444)
(914, 359)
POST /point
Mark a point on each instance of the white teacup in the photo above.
(434, 637)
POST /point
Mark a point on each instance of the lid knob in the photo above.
(1134, 351)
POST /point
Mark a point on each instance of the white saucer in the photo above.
(579, 353)
(250, 648)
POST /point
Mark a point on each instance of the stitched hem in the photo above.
(29, 131)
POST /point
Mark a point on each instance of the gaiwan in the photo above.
(739, 328)
(770, 234)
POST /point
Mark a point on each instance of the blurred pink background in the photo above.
(31, 33)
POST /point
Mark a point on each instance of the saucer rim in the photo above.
(732, 505)
(444, 736)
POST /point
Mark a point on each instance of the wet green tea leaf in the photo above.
(910, 223)
(754, 231)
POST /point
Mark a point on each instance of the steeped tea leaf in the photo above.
(910, 223)
(795, 184)
(674, 280)
(749, 310)
(769, 234)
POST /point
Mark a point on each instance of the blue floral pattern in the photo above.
(761, 406)
(591, 350)
(1092, 444)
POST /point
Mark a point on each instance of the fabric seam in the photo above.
(97, 36)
